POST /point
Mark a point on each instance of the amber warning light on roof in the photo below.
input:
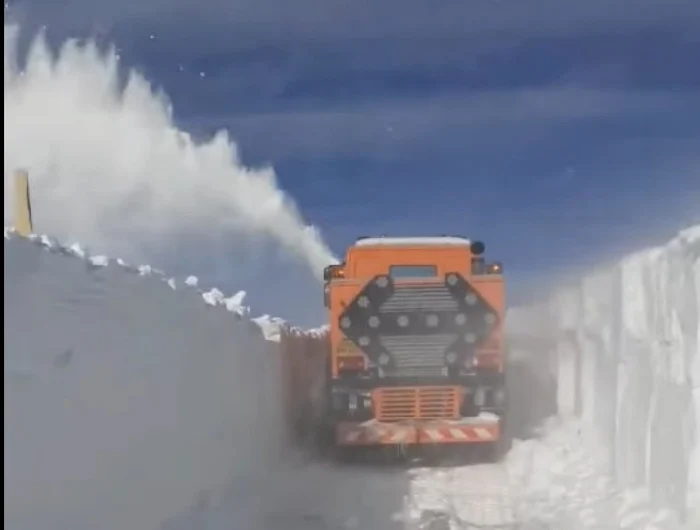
(333, 272)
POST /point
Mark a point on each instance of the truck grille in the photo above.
(409, 298)
(416, 403)
(417, 355)
(408, 329)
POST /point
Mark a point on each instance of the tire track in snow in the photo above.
(461, 498)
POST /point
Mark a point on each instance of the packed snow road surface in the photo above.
(461, 498)
(324, 496)
(307, 496)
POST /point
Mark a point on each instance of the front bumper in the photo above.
(483, 429)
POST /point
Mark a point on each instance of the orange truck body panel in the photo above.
(423, 368)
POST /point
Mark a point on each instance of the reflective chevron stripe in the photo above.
(381, 434)
(459, 433)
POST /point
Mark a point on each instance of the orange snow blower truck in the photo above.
(417, 352)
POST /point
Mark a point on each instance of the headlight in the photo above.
(494, 268)
(352, 402)
(382, 281)
(364, 400)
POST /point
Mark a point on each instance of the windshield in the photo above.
(413, 271)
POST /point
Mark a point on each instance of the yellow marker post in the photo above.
(23, 205)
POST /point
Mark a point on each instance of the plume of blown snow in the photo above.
(109, 166)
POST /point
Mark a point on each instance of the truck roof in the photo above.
(412, 241)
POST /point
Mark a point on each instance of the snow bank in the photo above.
(131, 399)
(562, 480)
(626, 354)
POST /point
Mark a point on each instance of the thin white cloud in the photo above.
(480, 118)
(318, 19)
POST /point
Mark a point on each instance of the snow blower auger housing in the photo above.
(416, 344)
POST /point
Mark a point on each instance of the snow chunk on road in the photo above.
(563, 480)
(461, 497)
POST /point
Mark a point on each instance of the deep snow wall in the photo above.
(126, 400)
(624, 346)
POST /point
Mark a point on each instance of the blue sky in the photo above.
(560, 132)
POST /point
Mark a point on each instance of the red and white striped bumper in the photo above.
(436, 432)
